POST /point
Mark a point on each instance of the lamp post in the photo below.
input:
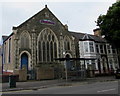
(66, 71)
(66, 75)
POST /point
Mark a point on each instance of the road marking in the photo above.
(106, 90)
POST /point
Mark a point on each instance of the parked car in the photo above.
(117, 74)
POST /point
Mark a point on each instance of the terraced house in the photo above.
(39, 41)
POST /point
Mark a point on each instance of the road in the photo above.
(110, 87)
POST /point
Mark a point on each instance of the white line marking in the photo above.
(106, 90)
(12, 92)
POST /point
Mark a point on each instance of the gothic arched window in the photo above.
(67, 43)
(24, 40)
(48, 49)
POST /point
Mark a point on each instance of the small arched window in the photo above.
(25, 40)
(67, 43)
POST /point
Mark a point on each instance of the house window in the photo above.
(91, 46)
(101, 49)
(97, 48)
(111, 63)
(113, 50)
(86, 46)
(108, 48)
(4, 52)
(105, 49)
(116, 62)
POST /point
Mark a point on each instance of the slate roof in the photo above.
(77, 35)
(84, 36)
(98, 39)
(4, 38)
(87, 37)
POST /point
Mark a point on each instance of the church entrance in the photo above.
(24, 61)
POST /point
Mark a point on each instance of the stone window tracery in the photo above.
(49, 50)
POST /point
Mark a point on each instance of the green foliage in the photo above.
(110, 24)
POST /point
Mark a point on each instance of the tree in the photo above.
(110, 24)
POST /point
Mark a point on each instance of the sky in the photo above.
(79, 15)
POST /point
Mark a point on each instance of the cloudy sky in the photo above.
(79, 15)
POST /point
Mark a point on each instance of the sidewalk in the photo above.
(32, 85)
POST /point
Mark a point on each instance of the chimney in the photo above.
(97, 32)
(117, 0)
(45, 6)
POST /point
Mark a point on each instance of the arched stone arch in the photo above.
(29, 59)
(68, 54)
(25, 40)
(47, 45)
(48, 31)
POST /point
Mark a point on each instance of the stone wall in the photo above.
(22, 74)
(45, 73)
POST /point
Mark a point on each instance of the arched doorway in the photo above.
(24, 61)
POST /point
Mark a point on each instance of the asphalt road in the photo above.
(110, 87)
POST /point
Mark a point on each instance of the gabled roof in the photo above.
(44, 9)
(84, 36)
(77, 35)
(87, 37)
(98, 38)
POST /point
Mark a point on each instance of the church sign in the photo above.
(46, 21)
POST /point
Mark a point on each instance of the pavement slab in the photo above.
(34, 85)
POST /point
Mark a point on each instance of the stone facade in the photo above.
(37, 43)
(0, 59)
(8, 53)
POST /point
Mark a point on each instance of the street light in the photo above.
(66, 76)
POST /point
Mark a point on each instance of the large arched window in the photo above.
(67, 43)
(25, 40)
(47, 45)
